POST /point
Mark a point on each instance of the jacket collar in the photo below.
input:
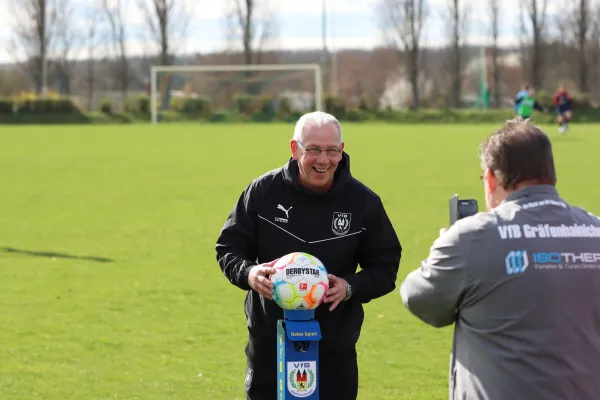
(531, 191)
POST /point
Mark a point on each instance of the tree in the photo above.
(406, 20)
(458, 23)
(577, 26)
(595, 50)
(533, 24)
(91, 40)
(494, 13)
(118, 37)
(67, 40)
(583, 28)
(35, 22)
(256, 26)
(167, 23)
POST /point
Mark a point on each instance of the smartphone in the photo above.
(461, 208)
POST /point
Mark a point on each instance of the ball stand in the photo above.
(298, 336)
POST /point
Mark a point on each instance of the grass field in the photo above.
(109, 287)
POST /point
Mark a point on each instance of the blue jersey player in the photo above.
(527, 104)
(562, 101)
(520, 95)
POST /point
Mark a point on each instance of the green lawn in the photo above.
(109, 287)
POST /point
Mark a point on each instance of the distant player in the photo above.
(562, 101)
(522, 93)
(527, 104)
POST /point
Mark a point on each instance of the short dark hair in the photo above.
(519, 152)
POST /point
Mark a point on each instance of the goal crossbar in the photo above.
(315, 68)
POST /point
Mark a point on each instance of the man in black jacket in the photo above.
(312, 204)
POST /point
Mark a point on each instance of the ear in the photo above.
(294, 149)
(340, 156)
(490, 179)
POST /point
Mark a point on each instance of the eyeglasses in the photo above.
(315, 151)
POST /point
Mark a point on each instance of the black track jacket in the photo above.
(275, 216)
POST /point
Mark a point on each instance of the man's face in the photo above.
(317, 166)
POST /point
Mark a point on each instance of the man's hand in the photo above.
(259, 281)
(338, 288)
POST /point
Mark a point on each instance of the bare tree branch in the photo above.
(494, 13)
(595, 47)
(68, 43)
(34, 27)
(534, 16)
(168, 21)
(576, 25)
(256, 26)
(458, 16)
(405, 21)
(94, 24)
(117, 22)
(583, 30)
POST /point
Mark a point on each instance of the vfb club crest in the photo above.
(340, 225)
(302, 378)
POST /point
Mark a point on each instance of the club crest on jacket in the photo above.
(340, 225)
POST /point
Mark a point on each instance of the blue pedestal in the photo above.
(298, 336)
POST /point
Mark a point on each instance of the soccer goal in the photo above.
(195, 90)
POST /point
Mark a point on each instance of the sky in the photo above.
(298, 24)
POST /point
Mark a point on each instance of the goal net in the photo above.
(210, 92)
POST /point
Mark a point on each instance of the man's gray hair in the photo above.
(316, 119)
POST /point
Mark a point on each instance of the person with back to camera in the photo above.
(520, 282)
(312, 204)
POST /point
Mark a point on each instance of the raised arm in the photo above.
(433, 291)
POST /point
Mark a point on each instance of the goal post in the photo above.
(158, 87)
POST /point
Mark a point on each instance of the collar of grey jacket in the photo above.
(532, 190)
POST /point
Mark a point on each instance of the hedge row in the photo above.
(398, 117)
(265, 109)
(393, 116)
(248, 108)
(243, 104)
(38, 106)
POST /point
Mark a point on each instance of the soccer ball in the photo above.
(300, 282)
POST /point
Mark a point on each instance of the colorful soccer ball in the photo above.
(300, 282)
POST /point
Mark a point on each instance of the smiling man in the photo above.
(312, 204)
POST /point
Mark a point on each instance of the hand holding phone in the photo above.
(461, 208)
